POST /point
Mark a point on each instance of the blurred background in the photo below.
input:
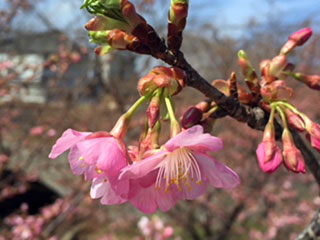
(51, 80)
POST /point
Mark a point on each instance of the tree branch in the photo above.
(312, 231)
(255, 117)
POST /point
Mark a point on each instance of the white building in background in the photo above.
(26, 86)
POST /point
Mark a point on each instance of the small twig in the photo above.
(312, 231)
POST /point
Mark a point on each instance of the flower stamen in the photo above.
(179, 168)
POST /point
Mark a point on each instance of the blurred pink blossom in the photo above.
(51, 132)
(37, 131)
(5, 65)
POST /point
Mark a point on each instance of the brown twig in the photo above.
(312, 231)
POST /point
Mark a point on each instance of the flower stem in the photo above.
(120, 128)
(174, 124)
(136, 106)
(283, 117)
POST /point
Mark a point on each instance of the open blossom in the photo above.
(181, 169)
(96, 155)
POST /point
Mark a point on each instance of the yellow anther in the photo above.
(199, 182)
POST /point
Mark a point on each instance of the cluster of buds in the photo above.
(117, 25)
(271, 92)
(150, 175)
(269, 154)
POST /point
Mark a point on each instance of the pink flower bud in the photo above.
(293, 158)
(268, 153)
(296, 39)
(301, 36)
(314, 134)
(191, 117)
(295, 120)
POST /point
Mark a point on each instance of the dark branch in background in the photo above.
(312, 231)
(230, 221)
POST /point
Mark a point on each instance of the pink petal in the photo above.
(98, 188)
(78, 167)
(148, 179)
(219, 175)
(68, 139)
(101, 188)
(106, 153)
(165, 200)
(195, 139)
(145, 200)
(141, 169)
(148, 200)
(194, 191)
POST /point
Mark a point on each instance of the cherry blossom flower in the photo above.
(181, 169)
(96, 155)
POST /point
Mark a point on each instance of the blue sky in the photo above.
(225, 14)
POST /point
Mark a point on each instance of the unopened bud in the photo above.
(295, 120)
(178, 13)
(162, 77)
(102, 23)
(301, 36)
(312, 81)
(131, 16)
(120, 40)
(248, 72)
(293, 158)
(191, 117)
(296, 39)
(313, 130)
(268, 153)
